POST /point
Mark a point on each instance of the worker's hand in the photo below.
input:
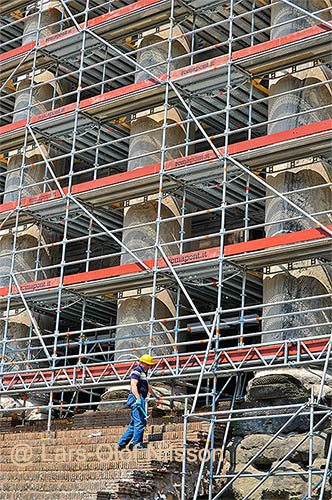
(139, 402)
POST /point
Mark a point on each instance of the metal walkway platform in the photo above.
(223, 362)
(308, 140)
(311, 43)
(254, 254)
(63, 45)
(9, 6)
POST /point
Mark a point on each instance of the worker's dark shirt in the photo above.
(139, 374)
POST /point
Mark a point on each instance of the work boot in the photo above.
(139, 446)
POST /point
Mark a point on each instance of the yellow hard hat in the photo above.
(146, 358)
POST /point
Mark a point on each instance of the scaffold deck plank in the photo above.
(308, 140)
(219, 363)
(138, 15)
(118, 23)
(8, 6)
(125, 277)
(264, 57)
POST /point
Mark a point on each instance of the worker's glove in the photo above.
(139, 402)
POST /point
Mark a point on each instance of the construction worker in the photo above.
(139, 389)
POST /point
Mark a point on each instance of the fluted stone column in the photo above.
(39, 94)
(32, 173)
(19, 322)
(290, 386)
(304, 279)
(133, 308)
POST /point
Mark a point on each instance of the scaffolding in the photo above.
(74, 124)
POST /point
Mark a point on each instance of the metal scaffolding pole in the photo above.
(222, 92)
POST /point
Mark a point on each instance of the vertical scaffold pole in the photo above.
(161, 178)
(185, 446)
(311, 442)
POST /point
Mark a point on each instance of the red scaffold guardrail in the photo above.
(124, 12)
(277, 138)
(175, 260)
(191, 72)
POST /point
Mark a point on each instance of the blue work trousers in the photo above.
(137, 424)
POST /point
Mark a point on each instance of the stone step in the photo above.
(66, 471)
(131, 485)
(56, 487)
(71, 466)
(22, 434)
(79, 439)
(45, 457)
(66, 474)
(91, 445)
(110, 437)
(92, 419)
(48, 495)
(120, 480)
(88, 419)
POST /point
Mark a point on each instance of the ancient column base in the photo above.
(116, 393)
(16, 402)
(288, 382)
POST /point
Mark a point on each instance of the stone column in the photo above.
(19, 321)
(39, 94)
(290, 386)
(135, 308)
(303, 279)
